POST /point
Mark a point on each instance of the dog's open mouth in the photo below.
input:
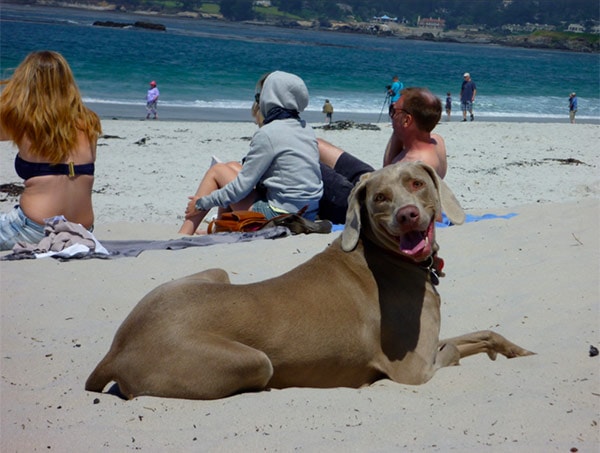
(417, 245)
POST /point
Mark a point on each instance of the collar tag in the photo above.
(435, 280)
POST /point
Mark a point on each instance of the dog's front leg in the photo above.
(485, 341)
(447, 355)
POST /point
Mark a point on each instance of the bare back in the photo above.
(51, 195)
(431, 152)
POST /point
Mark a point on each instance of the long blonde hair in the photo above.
(41, 103)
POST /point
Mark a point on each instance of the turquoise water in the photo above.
(208, 64)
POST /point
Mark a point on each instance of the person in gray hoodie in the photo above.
(281, 172)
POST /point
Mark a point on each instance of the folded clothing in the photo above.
(61, 237)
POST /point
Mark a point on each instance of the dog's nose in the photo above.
(408, 215)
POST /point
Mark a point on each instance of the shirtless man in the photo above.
(414, 116)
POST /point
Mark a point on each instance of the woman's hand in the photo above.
(190, 210)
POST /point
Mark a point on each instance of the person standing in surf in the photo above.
(152, 101)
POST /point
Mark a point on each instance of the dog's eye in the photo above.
(379, 197)
(417, 184)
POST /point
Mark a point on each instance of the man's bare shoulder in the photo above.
(433, 157)
(437, 140)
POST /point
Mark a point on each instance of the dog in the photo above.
(364, 309)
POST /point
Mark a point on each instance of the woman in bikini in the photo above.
(42, 113)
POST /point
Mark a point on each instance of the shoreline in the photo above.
(230, 115)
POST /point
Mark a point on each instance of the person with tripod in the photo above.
(394, 89)
(392, 94)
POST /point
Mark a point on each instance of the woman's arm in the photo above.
(256, 163)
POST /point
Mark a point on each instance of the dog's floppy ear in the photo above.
(450, 204)
(351, 232)
(448, 201)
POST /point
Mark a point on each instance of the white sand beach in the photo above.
(534, 278)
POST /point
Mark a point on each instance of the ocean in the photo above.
(208, 69)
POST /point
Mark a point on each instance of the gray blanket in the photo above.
(135, 247)
(132, 248)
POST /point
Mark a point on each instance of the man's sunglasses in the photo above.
(392, 112)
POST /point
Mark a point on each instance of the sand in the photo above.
(533, 278)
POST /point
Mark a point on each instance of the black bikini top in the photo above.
(28, 170)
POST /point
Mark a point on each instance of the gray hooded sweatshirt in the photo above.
(283, 161)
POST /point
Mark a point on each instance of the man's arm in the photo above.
(393, 148)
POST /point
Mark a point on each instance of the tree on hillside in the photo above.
(237, 9)
(190, 5)
(288, 6)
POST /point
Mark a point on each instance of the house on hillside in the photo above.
(527, 27)
(263, 3)
(431, 23)
(470, 28)
(576, 28)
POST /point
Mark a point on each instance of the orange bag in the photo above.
(237, 221)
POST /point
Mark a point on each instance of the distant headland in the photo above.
(427, 29)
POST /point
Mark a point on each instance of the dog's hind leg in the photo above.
(208, 368)
(214, 275)
(485, 341)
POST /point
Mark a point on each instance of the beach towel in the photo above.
(67, 241)
(133, 248)
(473, 218)
(446, 222)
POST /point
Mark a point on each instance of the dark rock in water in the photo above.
(146, 25)
(150, 26)
(110, 23)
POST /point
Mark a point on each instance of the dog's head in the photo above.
(396, 208)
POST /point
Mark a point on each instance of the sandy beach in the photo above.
(534, 278)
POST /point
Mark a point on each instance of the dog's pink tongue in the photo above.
(413, 243)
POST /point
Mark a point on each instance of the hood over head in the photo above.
(283, 90)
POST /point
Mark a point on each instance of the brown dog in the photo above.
(363, 309)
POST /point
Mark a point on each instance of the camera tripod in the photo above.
(385, 101)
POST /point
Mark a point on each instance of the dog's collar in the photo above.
(434, 265)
